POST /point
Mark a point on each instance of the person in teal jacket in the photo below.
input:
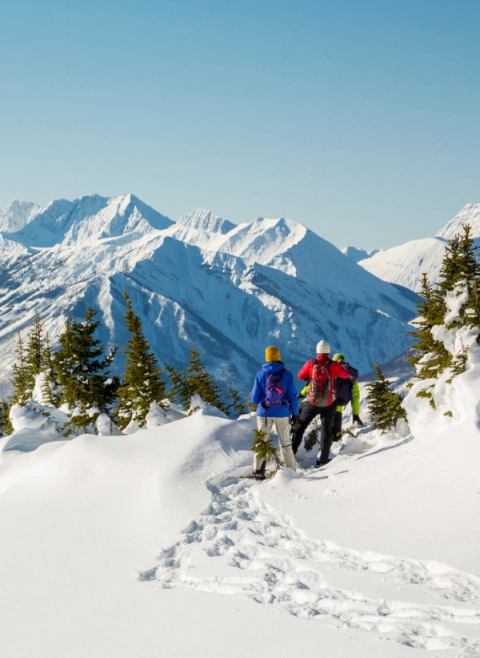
(346, 392)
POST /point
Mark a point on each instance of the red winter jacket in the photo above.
(335, 369)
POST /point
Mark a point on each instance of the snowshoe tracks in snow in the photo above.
(281, 565)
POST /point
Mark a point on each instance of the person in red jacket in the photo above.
(321, 372)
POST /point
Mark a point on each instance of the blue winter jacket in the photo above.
(259, 391)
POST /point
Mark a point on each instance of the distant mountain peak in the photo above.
(405, 263)
(469, 214)
(17, 214)
(88, 218)
(356, 254)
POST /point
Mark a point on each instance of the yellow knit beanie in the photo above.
(272, 353)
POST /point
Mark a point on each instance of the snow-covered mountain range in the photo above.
(404, 264)
(228, 289)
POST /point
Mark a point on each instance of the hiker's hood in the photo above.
(273, 367)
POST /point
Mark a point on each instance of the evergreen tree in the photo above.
(429, 355)
(459, 286)
(35, 347)
(237, 405)
(178, 387)
(194, 380)
(142, 383)
(460, 280)
(51, 391)
(6, 427)
(22, 380)
(202, 383)
(81, 369)
(384, 406)
(450, 305)
(264, 449)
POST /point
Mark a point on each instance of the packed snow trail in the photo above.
(283, 566)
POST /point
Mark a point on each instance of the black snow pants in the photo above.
(337, 426)
(307, 413)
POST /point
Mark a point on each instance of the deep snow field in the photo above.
(152, 544)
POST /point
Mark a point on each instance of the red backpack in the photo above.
(320, 390)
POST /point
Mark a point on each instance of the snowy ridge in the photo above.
(404, 264)
(87, 219)
(266, 241)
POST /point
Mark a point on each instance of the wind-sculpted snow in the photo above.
(229, 290)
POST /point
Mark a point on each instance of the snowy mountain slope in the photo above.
(11, 251)
(289, 247)
(404, 264)
(89, 218)
(125, 540)
(228, 308)
(285, 284)
(17, 214)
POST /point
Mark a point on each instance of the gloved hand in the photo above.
(293, 419)
(358, 420)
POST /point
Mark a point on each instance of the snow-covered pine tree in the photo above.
(82, 370)
(459, 288)
(142, 379)
(428, 355)
(459, 282)
(23, 379)
(445, 309)
(384, 405)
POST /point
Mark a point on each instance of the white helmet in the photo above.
(323, 347)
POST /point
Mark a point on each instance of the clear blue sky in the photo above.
(359, 118)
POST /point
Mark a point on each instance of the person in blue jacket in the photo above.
(276, 398)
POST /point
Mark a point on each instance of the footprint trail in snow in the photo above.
(241, 546)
